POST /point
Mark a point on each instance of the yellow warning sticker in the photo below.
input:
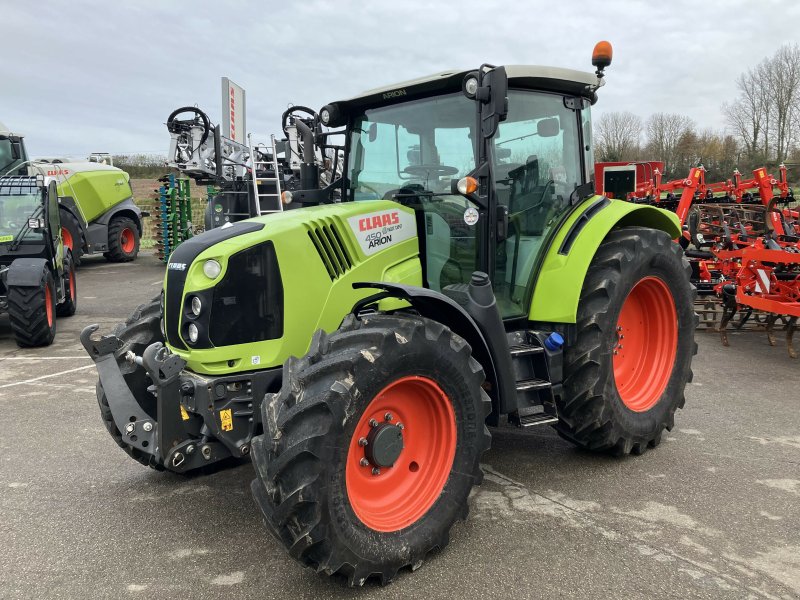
(226, 419)
(6, 238)
(184, 414)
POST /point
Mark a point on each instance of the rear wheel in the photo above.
(372, 446)
(625, 375)
(123, 240)
(70, 304)
(71, 234)
(32, 312)
(140, 330)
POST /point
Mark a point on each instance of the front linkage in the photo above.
(177, 420)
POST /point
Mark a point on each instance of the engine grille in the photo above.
(331, 248)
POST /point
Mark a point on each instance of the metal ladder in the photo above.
(275, 197)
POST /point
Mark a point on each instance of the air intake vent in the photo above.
(331, 249)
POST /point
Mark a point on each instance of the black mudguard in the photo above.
(26, 272)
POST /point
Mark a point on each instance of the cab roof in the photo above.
(568, 81)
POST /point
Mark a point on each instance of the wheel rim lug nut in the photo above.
(388, 416)
(148, 426)
(364, 462)
(401, 426)
(373, 423)
(376, 471)
(362, 441)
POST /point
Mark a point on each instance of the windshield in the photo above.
(419, 145)
(14, 214)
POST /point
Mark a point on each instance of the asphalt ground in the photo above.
(714, 512)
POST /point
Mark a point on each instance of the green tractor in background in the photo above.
(96, 204)
(37, 273)
(357, 350)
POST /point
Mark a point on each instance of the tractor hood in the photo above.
(279, 278)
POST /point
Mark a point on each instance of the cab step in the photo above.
(532, 384)
(525, 350)
(538, 419)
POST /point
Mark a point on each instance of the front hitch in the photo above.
(165, 438)
(137, 428)
(185, 434)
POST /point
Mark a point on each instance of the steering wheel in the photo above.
(175, 125)
(430, 170)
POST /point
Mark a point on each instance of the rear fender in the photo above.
(558, 287)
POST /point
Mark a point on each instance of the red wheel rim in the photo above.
(72, 283)
(647, 342)
(66, 238)
(126, 240)
(48, 304)
(401, 494)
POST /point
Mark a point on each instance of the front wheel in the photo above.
(32, 312)
(372, 446)
(625, 375)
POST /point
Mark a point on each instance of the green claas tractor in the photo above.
(95, 199)
(358, 350)
(37, 274)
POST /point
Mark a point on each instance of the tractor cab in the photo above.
(13, 157)
(491, 161)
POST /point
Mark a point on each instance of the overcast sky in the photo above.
(80, 76)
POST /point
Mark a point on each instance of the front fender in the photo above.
(558, 286)
(26, 272)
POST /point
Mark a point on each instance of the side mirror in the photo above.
(502, 153)
(494, 109)
(37, 225)
(16, 150)
(373, 132)
(548, 127)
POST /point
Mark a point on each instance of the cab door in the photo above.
(537, 164)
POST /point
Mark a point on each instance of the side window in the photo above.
(386, 150)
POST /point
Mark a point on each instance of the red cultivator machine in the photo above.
(746, 242)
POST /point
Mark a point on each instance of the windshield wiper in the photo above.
(25, 228)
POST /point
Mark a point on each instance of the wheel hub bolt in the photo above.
(373, 423)
(245, 450)
(130, 428)
(206, 452)
(148, 426)
(364, 462)
(362, 441)
(376, 471)
(388, 416)
(401, 426)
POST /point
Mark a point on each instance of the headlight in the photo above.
(197, 306)
(194, 333)
(212, 269)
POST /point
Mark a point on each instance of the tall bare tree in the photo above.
(766, 115)
(617, 136)
(784, 88)
(664, 131)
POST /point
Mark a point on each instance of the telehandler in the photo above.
(358, 350)
(37, 274)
